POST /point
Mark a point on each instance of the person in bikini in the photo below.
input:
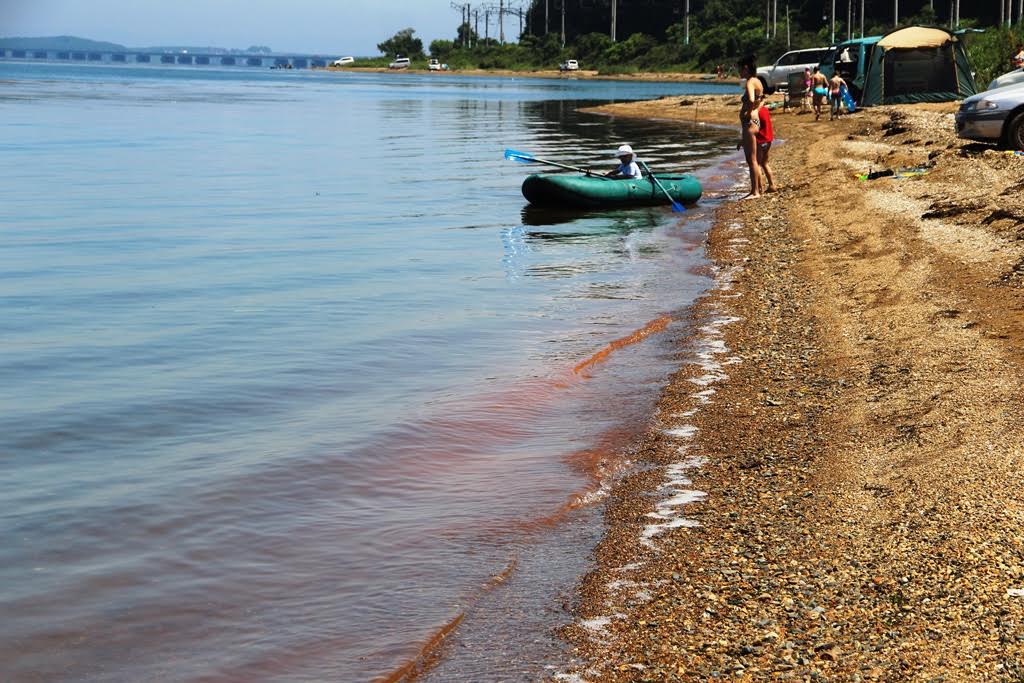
(750, 121)
(819, 89)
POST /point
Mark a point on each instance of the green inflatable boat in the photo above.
(592, 192)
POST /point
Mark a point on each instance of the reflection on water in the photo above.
(294, 367)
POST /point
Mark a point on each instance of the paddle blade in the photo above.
(677, 207)
(521, 157)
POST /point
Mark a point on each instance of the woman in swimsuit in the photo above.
(750, 122)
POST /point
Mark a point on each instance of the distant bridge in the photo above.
(142, 57)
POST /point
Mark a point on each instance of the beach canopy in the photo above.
(917, 64)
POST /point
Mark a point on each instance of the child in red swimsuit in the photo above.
(764, 138)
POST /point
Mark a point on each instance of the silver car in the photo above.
(994, 116)
(777, 75)
(1015, 76)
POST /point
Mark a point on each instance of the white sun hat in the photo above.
(624, 150)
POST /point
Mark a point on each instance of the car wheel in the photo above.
(1015, 132)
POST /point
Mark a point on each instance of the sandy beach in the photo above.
(830, 489)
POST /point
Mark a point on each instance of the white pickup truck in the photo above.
(777, 75)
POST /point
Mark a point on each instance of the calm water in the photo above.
(290, 378)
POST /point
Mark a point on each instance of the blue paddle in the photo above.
(524, 158)
(676, 206)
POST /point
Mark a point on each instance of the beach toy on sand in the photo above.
(844, 93)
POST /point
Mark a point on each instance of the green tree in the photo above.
(466, 36)
(402, 44)
(590, 48)
(630, 48)
(441, 49)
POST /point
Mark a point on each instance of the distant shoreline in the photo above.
(647, 76)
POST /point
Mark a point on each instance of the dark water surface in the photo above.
(291, 380)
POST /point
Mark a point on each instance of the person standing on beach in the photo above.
(805, 103)
(819, 88)
(836, 86)
(765, 136)
(750, 122)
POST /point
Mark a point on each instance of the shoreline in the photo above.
(582, 74)
(828, 488)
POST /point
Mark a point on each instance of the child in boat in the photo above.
(628, 168)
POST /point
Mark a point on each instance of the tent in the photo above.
(917, 64)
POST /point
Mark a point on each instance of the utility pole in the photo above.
(1002, 12)
(896, 13)
(686, 35)
(767, 19)
(861, 18)
(832, 40)
(501, 21)
(849, 19)
(615, 6)
(546, 22)
(789, 43)
(563, 24)
(464, 26)
(775, 18)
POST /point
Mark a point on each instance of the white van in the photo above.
(399, 63)
(777, 75)
(344, 61)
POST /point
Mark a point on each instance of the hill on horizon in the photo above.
(58, 43)
(69, 43)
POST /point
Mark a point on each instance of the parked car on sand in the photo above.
(777, 75)
(569, 65)
(344, 61)
(399, 63)
(1015, 76)
(994, 116)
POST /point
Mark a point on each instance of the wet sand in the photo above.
(831, 487)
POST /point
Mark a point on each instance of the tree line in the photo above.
(699, 35)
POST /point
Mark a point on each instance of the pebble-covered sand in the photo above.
(832, 487)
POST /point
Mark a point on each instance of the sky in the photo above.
(328, 27)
